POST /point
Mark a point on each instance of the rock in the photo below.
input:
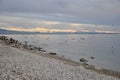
(31, 48)
(82, 38)
(63, 56)
(83, 60)
(52, 53)
(39, 48)
(86, 64)
(43, 50)
(92, 57)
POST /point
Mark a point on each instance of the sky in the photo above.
(60, 15)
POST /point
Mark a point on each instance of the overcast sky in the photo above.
(93, 12)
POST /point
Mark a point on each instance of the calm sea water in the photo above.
(104, 47)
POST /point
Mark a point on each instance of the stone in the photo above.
(83, 60)
(52, 53)
(92, 57)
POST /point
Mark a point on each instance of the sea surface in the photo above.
(105, 48)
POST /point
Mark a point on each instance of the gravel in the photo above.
(17, 64)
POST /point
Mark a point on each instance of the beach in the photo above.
(20, 63)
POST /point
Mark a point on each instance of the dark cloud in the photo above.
(82, 11)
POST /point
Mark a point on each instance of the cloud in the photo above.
(105, 12)
(37, 29)
(48, 23)
(31, 24)
(75, 25)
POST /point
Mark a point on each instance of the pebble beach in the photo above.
(17, 63)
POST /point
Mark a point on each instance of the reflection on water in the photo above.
(105, 48)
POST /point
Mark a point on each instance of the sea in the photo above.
(103, 48)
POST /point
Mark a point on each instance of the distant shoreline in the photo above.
(14, 43)
(4, 31)
(58, 33)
